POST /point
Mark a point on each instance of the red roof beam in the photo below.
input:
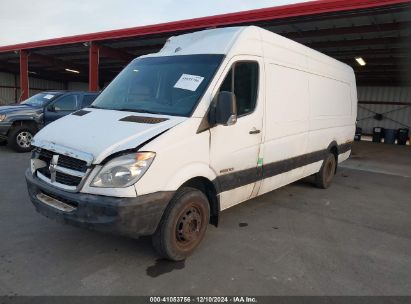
(272, 13)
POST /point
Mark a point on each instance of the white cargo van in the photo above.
(215, 118)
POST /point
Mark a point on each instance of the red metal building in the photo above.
(378, 31)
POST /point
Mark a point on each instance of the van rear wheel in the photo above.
(183, 225)
(326, 174)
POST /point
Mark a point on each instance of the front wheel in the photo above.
(20, 138)
(326, 174)
(183, 225)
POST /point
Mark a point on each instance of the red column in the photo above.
(93, 67)
(24, 75)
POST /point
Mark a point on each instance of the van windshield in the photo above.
(169, 85)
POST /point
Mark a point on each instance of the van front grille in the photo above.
(62, 178)
(64, 160)
(71, 178)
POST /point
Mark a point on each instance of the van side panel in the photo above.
(286, 124)
(330, 96)
(330, 100)
(310, 103)
(332, 106)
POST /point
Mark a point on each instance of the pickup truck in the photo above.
(20, 122)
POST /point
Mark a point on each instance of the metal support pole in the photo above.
(24, 75)
(93, 67)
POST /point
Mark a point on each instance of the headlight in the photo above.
(2, 117)
(123, 171)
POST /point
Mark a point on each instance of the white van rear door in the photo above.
(234, 150)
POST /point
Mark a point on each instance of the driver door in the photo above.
(60, 107)
(234, 149)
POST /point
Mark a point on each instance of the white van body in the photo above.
(306, 106)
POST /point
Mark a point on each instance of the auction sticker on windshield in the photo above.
(189, 82)
(48, 96)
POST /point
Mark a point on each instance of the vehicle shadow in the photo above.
(4, 148)
(73, 245)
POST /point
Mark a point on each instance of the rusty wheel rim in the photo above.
(329, 170)
(189, 227)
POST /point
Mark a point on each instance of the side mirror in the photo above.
(225, 109)
(51, 108)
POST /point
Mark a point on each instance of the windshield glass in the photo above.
(170, 85)
(39, 100)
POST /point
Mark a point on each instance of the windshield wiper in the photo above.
(136, 110)
(125, 110)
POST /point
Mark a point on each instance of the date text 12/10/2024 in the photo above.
(204, 299)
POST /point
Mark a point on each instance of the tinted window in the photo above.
(245, 84)
(164, 85)
(88, 100)
(66, 103)
(227, 84)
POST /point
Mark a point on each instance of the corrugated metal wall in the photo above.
(7, 91)
(10, 91)
(37, 85)
(393, 116)
(77, 86)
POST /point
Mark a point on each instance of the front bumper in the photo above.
(131, 217)
(4, 129)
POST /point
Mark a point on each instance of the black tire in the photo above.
(20, 137)
(183, 225)
(326, 174)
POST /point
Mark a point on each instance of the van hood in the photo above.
(100, 133)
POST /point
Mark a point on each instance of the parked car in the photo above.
(215, 118)
(19, 122)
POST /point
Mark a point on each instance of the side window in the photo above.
(242, 80)
(227, 84)
(66, 103)
(88, 100)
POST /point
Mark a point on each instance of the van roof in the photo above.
(210, 41)
(236, 39)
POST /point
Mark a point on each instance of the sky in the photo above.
(24, 21)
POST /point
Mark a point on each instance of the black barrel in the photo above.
(402, 136)
(377, 134)
(358, 133)
(389, 136)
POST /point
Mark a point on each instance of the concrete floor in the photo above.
(381, 158)
(351, 239)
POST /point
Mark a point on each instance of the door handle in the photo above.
(254, 131)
